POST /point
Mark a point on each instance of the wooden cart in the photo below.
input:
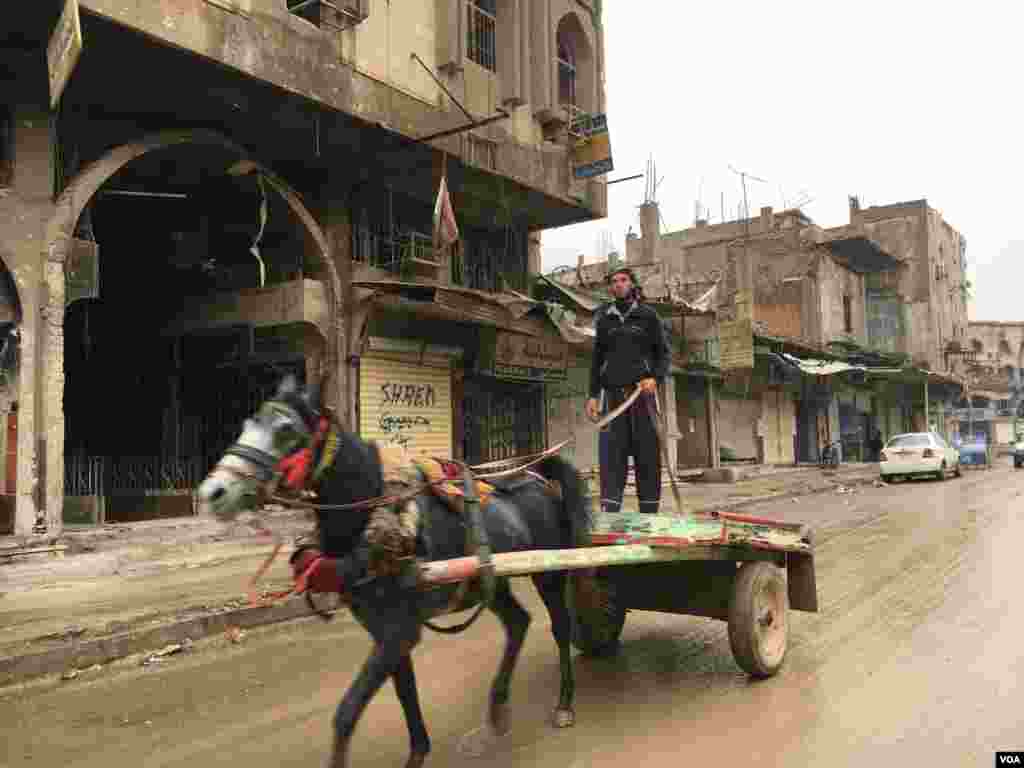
(743, 570)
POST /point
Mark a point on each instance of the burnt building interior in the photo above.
(151, 401)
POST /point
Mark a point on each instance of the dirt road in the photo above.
(915, 657)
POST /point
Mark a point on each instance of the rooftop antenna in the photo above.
(746, 207)
(652, 183)
(743, 180)
(698, 207)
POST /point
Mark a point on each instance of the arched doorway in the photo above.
(191, 325)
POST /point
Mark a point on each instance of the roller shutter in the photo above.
(404, 402)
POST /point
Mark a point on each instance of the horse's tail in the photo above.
(575, 501)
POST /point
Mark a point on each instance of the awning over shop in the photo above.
(507, 309)
(861, 254)
(820, 367)
(568, 325)
(673, 303)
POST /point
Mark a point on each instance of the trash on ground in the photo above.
(234, 634)
(163, 653)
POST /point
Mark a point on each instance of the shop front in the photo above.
(505, 412)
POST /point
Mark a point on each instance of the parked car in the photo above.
(918, 453)
(1018, 452)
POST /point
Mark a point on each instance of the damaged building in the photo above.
(825, 335)
(993, 355)
(198, 197)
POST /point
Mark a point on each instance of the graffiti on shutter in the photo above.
(404, 403)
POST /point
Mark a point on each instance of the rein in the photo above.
(329, 438)
(529, 460)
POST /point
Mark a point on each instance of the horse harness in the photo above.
(393, 524)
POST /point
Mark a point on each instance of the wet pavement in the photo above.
(914, 657)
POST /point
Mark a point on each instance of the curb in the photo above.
(740, 503)
(102, 650)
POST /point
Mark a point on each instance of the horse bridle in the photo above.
(264, 463)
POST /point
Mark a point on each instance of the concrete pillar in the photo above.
(526, 66)
(510, 32)
(337, 228)
(32, 204)
(6, 401)
(534, 263)
(672, 433)
(711, 404)
(543, 57)
(454, 20)
(649, 230)
(52, 365)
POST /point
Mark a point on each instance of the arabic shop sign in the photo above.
(517, 356)
(592, 149)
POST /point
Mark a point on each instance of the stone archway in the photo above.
(48, 389)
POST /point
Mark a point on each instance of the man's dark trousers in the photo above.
(631, 434)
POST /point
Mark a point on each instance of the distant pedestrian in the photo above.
(876, 445)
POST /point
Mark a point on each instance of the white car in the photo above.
(918, 453)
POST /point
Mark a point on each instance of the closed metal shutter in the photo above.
(402, 402)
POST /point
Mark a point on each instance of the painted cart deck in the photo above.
(633, 538)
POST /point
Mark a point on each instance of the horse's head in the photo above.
(277, 439)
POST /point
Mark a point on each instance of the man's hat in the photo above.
(623, 271)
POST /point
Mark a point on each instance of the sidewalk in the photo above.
(126, 589)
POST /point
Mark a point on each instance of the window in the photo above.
(482, 152)
(481, 30)
(909, 441)
(337, 15)
(847, 314)
(566, 72)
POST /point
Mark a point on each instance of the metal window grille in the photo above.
(503, 420)
(566, 77)
(481, 30)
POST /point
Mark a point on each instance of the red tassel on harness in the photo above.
(316, 573)
(295, 469)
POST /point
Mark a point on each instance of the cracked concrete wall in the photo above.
(1000, 356)
(933, 276)
(368, 72)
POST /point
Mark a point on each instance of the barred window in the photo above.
(481, 30)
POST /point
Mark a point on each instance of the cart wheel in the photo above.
(599, 618)
(759, 619)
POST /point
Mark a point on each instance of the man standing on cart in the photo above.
(631, 350)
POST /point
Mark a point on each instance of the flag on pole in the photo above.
(446, 230)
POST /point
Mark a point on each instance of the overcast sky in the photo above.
(891, 101)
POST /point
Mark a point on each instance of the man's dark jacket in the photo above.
(631, 344)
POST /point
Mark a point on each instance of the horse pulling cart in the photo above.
(743, 570)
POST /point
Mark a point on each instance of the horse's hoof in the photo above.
(339, 758)
(479, 742)
(563, 718)
(501, 721)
